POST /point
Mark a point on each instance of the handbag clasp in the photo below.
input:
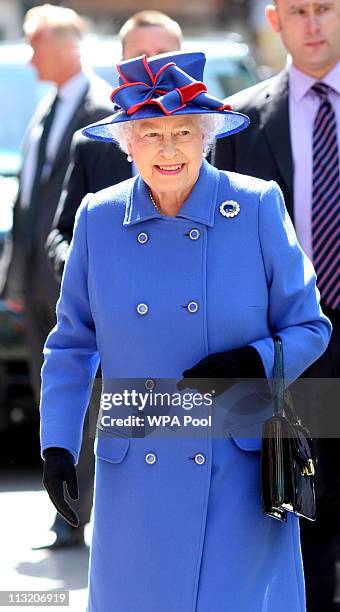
(308, 469)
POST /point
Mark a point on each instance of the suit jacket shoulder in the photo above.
(89, 152)
(254, 97)
(264, 148)
(96, 101)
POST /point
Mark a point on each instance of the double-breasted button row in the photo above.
(143, 309)
(194, 234)
(151, 458)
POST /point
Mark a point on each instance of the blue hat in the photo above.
(165, 85)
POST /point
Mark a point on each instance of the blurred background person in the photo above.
(94, 166)
(54, 34)
(294, 139)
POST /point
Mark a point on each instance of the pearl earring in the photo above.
(129, 158)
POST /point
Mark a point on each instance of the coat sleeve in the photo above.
(71, 356)
(294, 302)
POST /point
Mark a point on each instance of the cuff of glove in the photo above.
(251, 365)
(56, 451)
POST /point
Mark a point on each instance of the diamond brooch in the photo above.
(229, 208)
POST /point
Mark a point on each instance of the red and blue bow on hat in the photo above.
(167, 84)
(170, 88)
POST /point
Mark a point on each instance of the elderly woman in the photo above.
(181, 268)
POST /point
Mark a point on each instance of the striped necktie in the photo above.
(326, 200)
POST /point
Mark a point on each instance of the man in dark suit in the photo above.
(54, 34)
(294, 139)
(94, 166)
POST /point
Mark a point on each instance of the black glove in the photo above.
(244, 363)
(59, 467)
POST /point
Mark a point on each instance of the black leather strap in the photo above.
(278, 380)
(283, 404)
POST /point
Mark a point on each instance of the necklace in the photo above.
(154, 203)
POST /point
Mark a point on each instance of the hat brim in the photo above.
(100, 130)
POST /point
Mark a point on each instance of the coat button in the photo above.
(142, 309)
(199, 459)
(150, 384)
(142, 238)
(192, 307)
(150, 458)
(194, 234)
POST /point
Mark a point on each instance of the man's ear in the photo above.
(273, 17)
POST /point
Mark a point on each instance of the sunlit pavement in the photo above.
(26, 514)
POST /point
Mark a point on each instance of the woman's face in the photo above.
(168, 152)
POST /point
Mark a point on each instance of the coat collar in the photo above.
(199, 206)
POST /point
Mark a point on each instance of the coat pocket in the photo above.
(111, 447)
(248, 438)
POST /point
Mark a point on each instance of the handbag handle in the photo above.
(278, 381)
(283, 405)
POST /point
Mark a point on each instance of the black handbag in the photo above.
(287, 456)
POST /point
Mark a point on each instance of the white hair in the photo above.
(210, 124)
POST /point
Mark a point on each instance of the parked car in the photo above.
(229, 68)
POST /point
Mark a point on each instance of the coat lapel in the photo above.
(274, 121)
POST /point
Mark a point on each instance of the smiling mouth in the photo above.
(169, 169)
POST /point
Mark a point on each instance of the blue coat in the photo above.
(177, 535)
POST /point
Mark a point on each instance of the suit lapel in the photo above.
(274, 121)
